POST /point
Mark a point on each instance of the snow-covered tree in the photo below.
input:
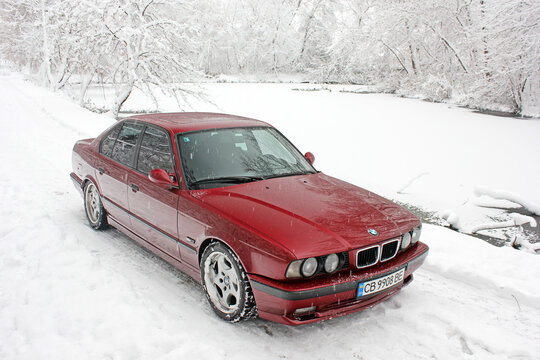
(481, 53)
(149, 45)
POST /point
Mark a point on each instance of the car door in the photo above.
(117, 155)
(154, 207)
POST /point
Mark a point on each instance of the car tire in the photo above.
(226, 284)
(93, 208)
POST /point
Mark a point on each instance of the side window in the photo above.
(155, 152)
(108, 141)
(124, 147)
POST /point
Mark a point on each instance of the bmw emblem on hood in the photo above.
(373, 232)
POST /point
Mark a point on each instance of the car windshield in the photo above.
(221, 157)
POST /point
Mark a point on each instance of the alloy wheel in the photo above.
(222, 282)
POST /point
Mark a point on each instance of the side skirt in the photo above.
(185, 268)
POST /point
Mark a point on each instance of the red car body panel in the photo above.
(266, 223)
(113, 181)
(193, 121)
(327, 215)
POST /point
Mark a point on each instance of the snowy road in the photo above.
(68, 292)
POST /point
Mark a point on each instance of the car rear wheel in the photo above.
(226, 284)
(95, 213)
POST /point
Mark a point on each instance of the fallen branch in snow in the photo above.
(522, 244)
(503, 195)
(401, 189)
(489, 202)
(452, 218)
(515, 220)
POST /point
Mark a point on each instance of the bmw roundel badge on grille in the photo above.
(373, 232)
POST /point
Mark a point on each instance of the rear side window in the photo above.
(108, 141)
(155, 152)
(124, 147)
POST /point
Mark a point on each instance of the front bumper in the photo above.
(332, 296)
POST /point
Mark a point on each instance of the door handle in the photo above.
(101, 171)
(134, 187)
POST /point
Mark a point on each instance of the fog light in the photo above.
(305, 311)
(405, 240)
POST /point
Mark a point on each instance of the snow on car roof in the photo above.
(191, 121)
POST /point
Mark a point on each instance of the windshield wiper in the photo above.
(291, 174)
(228, 180)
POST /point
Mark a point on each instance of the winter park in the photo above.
(365, 131)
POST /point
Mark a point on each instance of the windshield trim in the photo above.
(188, 184)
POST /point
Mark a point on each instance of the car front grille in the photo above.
(389, 249)
(367, 257)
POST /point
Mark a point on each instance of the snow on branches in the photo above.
(144, 43)
(482, 54)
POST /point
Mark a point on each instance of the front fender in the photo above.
(200, 223)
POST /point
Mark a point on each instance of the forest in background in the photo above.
(482, 54)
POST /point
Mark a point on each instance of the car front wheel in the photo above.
(226, 284)
(95, 213)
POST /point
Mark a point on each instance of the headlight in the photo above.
(302, 268)
(416, 235)
(309, 267)
(405, 240)
(331, 263)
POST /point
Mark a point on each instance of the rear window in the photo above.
(108, 141)
(124, 147)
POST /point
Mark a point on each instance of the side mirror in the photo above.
(310, 157)
(160, 177)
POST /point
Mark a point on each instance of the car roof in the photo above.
(192, 121)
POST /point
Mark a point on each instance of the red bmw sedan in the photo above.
(231, 202)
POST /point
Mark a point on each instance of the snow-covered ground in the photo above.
(68, 292)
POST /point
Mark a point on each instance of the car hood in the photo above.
(311, 214)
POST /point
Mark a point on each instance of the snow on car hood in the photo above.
(312, 214)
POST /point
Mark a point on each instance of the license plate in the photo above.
(377, 285)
